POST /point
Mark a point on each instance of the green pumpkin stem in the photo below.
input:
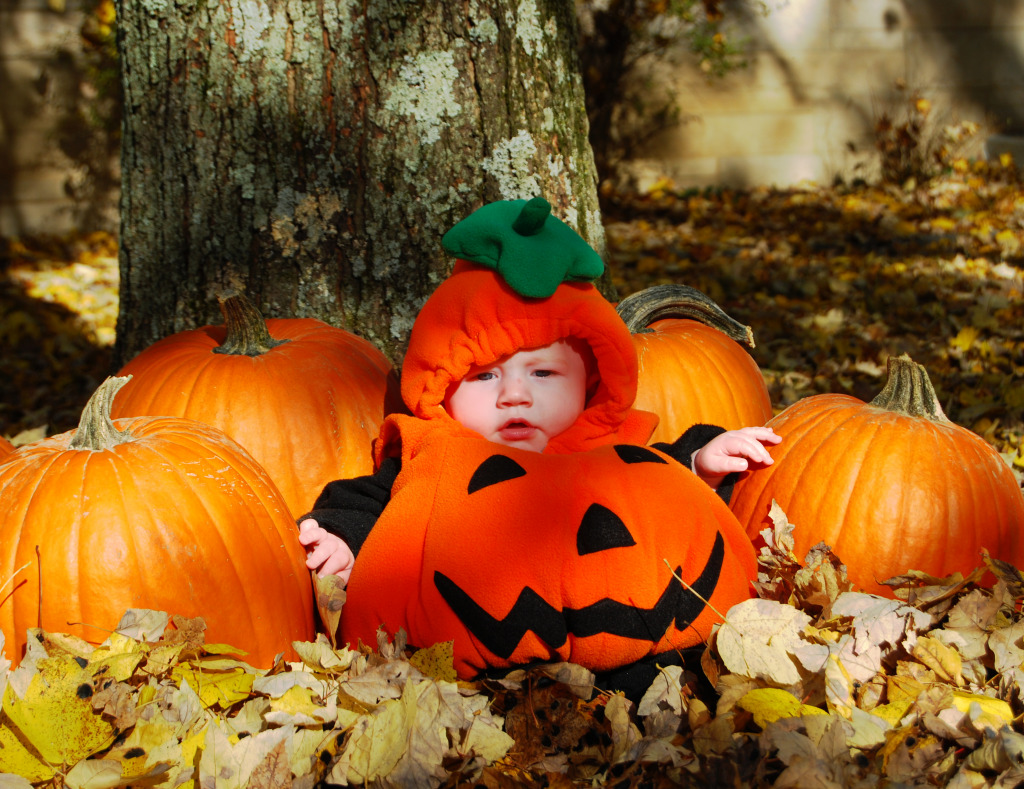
(909, 391)
(531, 219)
(640, 310)
(247, 329)
(95, 428)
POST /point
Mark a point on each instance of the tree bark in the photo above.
(312, 153)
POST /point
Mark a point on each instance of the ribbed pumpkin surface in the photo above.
(177, 518)
(691, 373)
(6, 447)
(307, 410)
(888, 491)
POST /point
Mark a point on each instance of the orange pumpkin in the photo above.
(601, 557)
(891, 485)
(693, 368)
(304, 398)
(6, 447)
(152, 512)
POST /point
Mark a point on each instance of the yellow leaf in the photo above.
(901, 689)
(215, 688)
(223, 649)
(944, 661)
(17, 759)
(295, 701)
(990, 707)
(56, 717)
(772, 704)
(437, 661)
(965, 338)
(659, 187)
(148, 754)
(893, 712)
(120, 654)
(105, 12)
(192, 745)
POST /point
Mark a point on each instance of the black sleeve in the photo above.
(694, 438)
(349, 508)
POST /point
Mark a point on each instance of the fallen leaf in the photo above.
(759, 638)
(771, 704)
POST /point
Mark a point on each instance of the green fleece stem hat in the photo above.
(533, 251)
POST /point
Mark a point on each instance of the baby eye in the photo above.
(543, 373)
(484, 376)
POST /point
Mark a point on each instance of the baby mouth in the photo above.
(517, 429)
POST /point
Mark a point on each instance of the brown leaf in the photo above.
(330, 598)
(274, 771)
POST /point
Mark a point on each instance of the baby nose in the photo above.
(514, 391)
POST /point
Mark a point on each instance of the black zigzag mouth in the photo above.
(677, 603)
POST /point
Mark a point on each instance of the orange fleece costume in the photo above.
(518, 556)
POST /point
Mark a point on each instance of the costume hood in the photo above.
(518, 284)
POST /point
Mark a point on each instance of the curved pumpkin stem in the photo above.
(95, 428)
(247, 328)
(909, 391)
(640, 310)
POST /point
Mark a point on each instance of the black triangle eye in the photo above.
(497, 468)
(600, 530)
(629, 453)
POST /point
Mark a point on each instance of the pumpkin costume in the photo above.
(574, 553)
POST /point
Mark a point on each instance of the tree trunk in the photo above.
(312, 154)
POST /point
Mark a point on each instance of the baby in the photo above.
(523, 399)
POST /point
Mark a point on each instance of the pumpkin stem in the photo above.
(909, 391)
(247, 329)
(95, 428)
(640, 310)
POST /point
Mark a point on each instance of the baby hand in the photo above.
(734, 450)
(326, 553)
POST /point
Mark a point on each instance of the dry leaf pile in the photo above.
(817, 685)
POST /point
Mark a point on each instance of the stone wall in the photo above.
(821, 73)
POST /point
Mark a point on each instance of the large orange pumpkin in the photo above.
(6, 447)
(601, 558)
(152, 512)
(304, 398)
(891, 485)
(693, 367)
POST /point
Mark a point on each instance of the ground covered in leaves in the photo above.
(835, 280)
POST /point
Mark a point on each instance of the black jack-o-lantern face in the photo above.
(601, 558)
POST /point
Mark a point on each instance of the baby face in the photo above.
(522, 400)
